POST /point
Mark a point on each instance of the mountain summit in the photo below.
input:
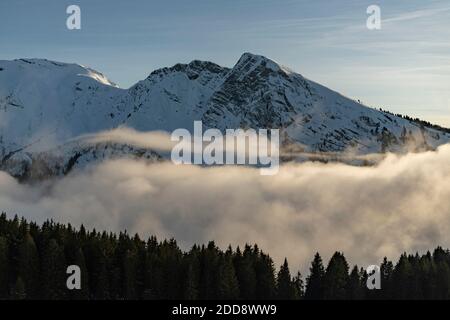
(44, 104)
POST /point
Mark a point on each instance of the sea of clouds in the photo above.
(402, 204)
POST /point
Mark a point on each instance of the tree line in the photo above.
(420, 122)
(33, 262)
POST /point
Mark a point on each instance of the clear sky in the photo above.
(404, 67)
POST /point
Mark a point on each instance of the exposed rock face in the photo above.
(44, 105)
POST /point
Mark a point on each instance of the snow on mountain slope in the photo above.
(259, 93)
(44, 104)
(175, 97)
(74, 155)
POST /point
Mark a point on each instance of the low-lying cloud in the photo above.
(402, 204)
(157, 140)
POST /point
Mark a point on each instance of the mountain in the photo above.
(45, 105)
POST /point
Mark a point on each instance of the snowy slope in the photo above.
(175, 97)
(257, 92)
(44, 104)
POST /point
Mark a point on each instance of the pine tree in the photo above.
(53, 272)
(171, 258)
(442, 274)
(428, 276)
(209, 266)
(228, 287)
(141, 253)
(190, 291)
(285, 288)
(129, 275)
(95, 253)
(246, 274)
(336, 278)
(299, 287)
(28, 266)
(403, 278)
(315, 280)
(355, 288)
(4, 268)
(265, 278)
(386, 270)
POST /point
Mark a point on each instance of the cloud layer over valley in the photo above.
(402, 204)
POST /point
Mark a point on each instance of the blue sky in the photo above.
(404, 67)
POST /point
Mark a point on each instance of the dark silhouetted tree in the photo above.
(228, 287)
(386, 270)
(355, 286)
(315, 280)
(4, 268)
(53, 271)
(246, 273)
(336, 278)
(299, 287)
(28, 266)
(265, 277)
(285, 288)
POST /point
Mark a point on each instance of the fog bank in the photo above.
(402, 204)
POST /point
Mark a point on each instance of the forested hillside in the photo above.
(33, 262)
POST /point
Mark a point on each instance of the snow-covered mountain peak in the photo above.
(193, 69)
(256, 59)
(249, 62)
(36, 69)
(45, 104)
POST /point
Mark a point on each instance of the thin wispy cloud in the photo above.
(418, 14)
